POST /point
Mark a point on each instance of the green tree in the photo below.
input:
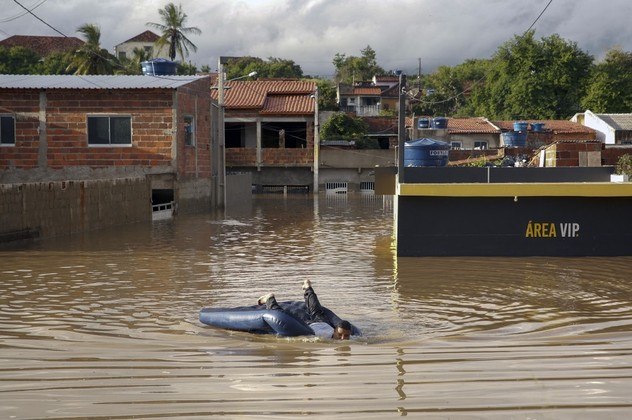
(133, 65)
(610, 87)
(450, 87)
(341, 126)
(326, 95)
(533, 79)
(271, 68)
(57, 63)
(90, 58)
(355, 69)
(174, 33)
(18, 60)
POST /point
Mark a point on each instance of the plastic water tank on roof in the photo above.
(159, 67)
(439, 122)
(520, 125)
(426, 152)
(514, 138)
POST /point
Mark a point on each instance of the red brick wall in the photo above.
(66, 118)
(270, 157)
(195, 100)
(25, 106)
(152, 128)
(567, 154)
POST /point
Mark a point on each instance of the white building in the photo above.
(145, 41)
(610, 128)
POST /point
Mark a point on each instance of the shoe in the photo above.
(307, 284)
(263, 299)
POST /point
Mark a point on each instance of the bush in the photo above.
(624, 165)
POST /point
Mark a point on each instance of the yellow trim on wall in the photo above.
(565, 189)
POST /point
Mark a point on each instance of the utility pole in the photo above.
(316, 142)
(419, 75)
(221, 134)
(401, 126)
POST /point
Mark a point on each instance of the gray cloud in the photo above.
(311, 32)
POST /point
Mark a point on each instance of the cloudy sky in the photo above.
(311, 32)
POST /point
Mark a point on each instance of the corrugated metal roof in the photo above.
(617, 121)
(17, 81)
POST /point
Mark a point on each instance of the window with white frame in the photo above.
(456, 145)
(109, 130)
(189, 130)
(7, 130)
(480, 145)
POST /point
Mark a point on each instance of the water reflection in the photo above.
(105, 324)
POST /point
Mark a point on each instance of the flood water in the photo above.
(104, 325)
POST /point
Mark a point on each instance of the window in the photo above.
(456, 145)
(122, 55)
(110, 130)
(480, 145)
(7, 130)
(189, 131)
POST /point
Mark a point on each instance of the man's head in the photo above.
(342, 330)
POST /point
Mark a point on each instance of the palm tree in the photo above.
(90, 58)
(174, 32)
(133, 65)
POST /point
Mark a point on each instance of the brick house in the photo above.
(56, 128)
(43, 45)
(269, 130)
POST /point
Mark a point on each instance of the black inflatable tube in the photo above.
(290, 322)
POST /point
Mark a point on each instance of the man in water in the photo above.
(318, 320)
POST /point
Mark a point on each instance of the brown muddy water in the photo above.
(104, 325)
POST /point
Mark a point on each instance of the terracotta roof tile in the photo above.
(288, 104)
(43, 45)
(147, 36)
(471, 125)
(556, 126)
(365, 91)
(271, 96)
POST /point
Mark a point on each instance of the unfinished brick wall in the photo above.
(25, 107)
(194, 100)
(63, 142)
(568, 154)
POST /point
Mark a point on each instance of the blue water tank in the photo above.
(537, 127)
(159, 67)
(426, 152)
(520, 125)
(423, 123)
(439, 122)
(514, 138)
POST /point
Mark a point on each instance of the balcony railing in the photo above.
(363, 110)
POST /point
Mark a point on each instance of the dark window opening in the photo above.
(161, 196)
(284, 135)
(235, 135)
(7, 130)
(384, 142)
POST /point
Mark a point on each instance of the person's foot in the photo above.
(307, 284)
(263, 299)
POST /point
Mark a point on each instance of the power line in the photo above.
(38, 18)
(484, 76)
(9, 19)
